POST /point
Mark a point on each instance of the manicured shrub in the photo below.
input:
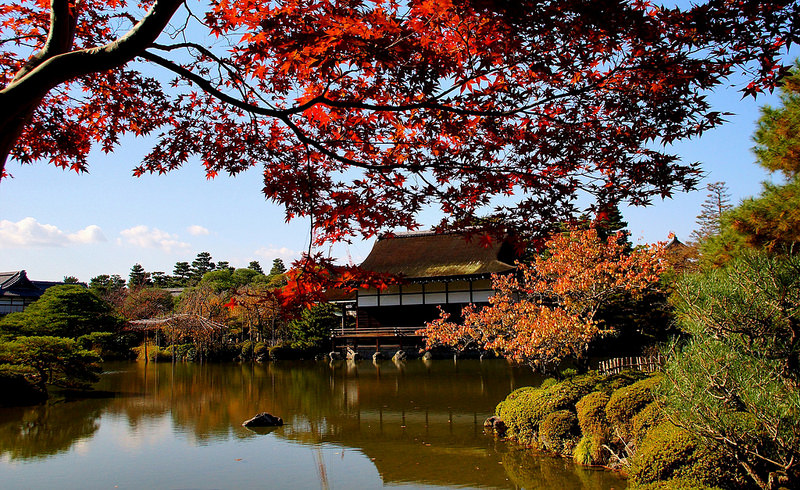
(518, 413)
(548, 382)
(610, 384)
(285, 352)
(591, 411)
(568, 373)
(649, 417)
(260, 351)
(583, 452)
(110, 346)
(594, 426)
(559, 432)
(627, 401)
(523, 412)
(669, 452)
(247, 350)
(676, 484)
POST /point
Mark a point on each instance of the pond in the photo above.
(365, 424)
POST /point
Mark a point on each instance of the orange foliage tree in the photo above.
(255, 307)
(547, 311)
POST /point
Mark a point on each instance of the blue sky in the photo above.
(55, 223)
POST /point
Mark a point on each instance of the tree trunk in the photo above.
(10, 131)
(55, 64)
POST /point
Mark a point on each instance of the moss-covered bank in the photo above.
(613, 421)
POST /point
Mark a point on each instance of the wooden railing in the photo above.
(644, 363)
(375, 332)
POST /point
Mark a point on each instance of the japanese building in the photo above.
(445, 271)
(17, 291)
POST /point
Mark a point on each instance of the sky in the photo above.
(56, 223)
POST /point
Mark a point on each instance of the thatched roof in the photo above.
(426, 255)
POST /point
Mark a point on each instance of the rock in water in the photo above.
(494, 423)
(263, 419)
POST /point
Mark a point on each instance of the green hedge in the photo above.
(627, 401)
(595, 428)
(526, 409)
(671, 453)
(559, 432)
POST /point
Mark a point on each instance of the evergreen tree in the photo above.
(182, 272)
(254, 265)
(777, 137)
(277, 268)
(67, 310)
(70, 280)
(734, 382)
(138, 277)
(105, 283)
(160, 279)
(201, 265)
(609, 221)
(716, 203)
(225, 265)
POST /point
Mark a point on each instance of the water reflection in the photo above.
(41, 431)
(417, 423)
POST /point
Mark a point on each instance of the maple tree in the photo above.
(361, 114)
(548, 311)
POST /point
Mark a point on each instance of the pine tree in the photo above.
(777, 137)
(223, 265)
(254, 265)
(708, 221)
(160, 279)
(202, 264)
(138, 277)
(182, 273)
(277, 268)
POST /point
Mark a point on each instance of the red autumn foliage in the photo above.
(361, 114)
(547, 312)
(311, 279)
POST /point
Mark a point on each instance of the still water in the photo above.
(348, 425)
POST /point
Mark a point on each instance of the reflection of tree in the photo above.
(543, 472)
(418, 423)
(46, 430)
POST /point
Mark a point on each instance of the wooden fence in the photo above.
(644, 363)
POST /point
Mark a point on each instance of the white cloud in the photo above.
(197, 230)
(145, 237)
(28, 232)
(272, 252)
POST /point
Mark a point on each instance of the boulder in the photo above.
(494, 423)
(335, 356)
(400, 356)
(427, 356)
(263, 419)
(377, 356)
(353, 355)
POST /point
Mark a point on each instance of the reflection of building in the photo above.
(17, 291)
(445, 271)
